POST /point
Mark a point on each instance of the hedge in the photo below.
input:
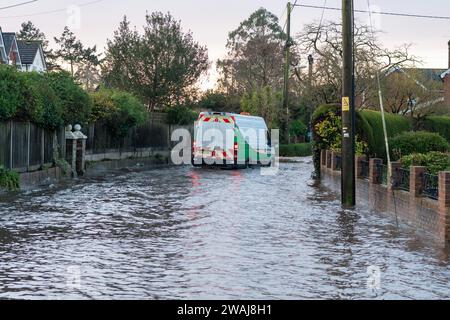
(296, 150)
(181, 115)
(434, 161)
(369, 127)
(49, 100)
(119, 110)
(417, 142)
(395, 124)
(439, 124)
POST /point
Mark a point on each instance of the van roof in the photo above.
(210, 113)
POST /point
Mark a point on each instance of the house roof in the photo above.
(28, 50)
(8, 39)
(428, 73)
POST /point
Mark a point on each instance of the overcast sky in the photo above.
(211, 20)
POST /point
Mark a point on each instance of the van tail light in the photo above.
(236, 148)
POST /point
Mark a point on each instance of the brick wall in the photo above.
(425, 214)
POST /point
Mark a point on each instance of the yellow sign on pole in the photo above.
(345, 104)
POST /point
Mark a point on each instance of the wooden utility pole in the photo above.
(348, 108)
(287, 63)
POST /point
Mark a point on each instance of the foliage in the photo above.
(255, 55)
(263, 102)
(296, 150)
(102, 105)
(28, 97)
(12, 92)
(44, 107)
(219, 101)
(72, 52)
(119, 110)
(439, 124)
(417, 142)
(9, 180)
(181, 115)
(76, 102)
(162, 66)
(434, 161)
(298, 128)
(329, 130)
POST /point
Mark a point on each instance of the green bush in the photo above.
(434, 161)
(9, 180)
(181, 115)
(416, 142)
(439, 124)
(76, 102)
(296, 150)
(120, 111)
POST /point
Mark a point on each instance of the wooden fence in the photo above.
(153, 134)
(26, 147)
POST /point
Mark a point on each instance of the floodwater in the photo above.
(181, 232)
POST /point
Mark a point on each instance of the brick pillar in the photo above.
(416, 180)
(444, 206)
(328, 153)
(374, 174)
(71, 154)
(394, 166)
(323, 157)
(358, 168)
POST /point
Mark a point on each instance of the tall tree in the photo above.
(162, 65)
(70, 49)
(88, 70)
(29, 32)
(255, 55)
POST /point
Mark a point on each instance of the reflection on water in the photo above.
(192, 233)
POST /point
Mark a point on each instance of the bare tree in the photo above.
(324, 42)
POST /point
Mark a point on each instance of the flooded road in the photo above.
(182, 232)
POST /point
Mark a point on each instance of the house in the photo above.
(12, 49)
(32, 56)
(25, 55)
(3, 56)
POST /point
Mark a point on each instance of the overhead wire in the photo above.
(398, 14)
(51, 11)
(17, 4)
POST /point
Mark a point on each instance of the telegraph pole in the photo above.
(287, 63)
(348, 108)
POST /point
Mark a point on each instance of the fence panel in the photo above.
(35, 145)
(25, 147)
(5, 140)
(48, 146)
(20, 146)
